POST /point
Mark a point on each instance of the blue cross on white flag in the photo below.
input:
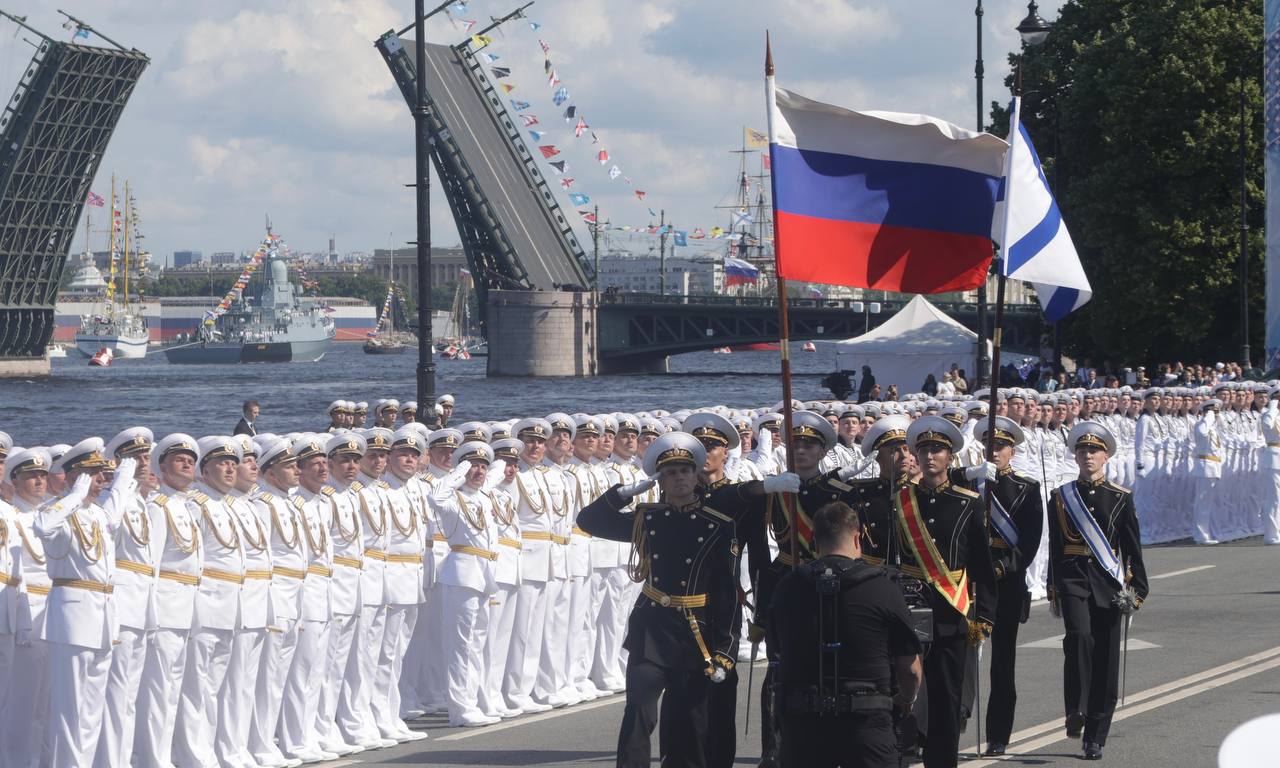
(1028, 224)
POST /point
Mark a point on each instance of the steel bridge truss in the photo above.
(55, 130)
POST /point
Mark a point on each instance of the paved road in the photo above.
(1204, 657)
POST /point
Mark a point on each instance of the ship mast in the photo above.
(115, 255)
(127, 221)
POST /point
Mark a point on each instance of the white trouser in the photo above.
(128, 657)
(1270, 501)
(431, 681)
(385, 699)
(77, 686)
(497, 645)
(302, 690)
(22, 739)
(235, 706)
(526, 639)
(277, 658)
(158, 698)
(1204, 509)
(412, 682)
(7, 644)
(208, 655)
(342, 630)
(606, 667)
(354, 716)
(552, 674)
(580, 638)
(464, 637)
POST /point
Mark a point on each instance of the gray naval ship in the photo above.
(277, 325)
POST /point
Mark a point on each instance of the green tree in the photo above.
(1134, 109)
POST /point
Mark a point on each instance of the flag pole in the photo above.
(784, 330)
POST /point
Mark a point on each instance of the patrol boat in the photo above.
(116, 325)
(275, 325)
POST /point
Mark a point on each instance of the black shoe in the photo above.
(995, 749)
(1075, 725)
(1092, 751)
(769, 761)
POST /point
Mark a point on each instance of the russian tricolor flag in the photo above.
(739, 272)
(883, 200)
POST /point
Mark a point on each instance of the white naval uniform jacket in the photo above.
(136, 574)
(287, 546)
(586, 483)
(10, 569)
(34, 593)
(81, 558)
(373, 533)
(347, 540)
(466, 517)
(606, 553)
(506, 525)
(175, 537)
(314, 511)
(1207, 456)
(540, 559)
(437, 544)
(405, 546)
(255, 541)
(1270, 456)
(222, 572)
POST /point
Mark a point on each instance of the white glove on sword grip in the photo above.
(985, 470)
(786, 482)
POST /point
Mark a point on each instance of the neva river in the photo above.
(79, 400)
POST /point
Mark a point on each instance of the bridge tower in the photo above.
(53, 133)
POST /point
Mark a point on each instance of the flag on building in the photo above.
(95, 199)
(882, 200)
(481, 41)
(529, 120)
(570, 114)
(537, 135)
(559, 166)
(603, 156)
(561, 95)
(548, 150)
(579, 128)
(507, 87)
(615, 172)
(587, 216)
(1029, 226)
(519, 105)
(739, 272)
(501, 72)
(566, 182)
(577, 198)
(467, 24)
(552, 79)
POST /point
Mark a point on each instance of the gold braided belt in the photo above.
(513, 543)
(135, 567)
(349, 562)
(219, 575)
(487, 554)
(190, 579)
(85, 584)
(673, 601)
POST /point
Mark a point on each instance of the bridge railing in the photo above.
(719, 300)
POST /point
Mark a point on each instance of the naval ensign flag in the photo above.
(1028, 224)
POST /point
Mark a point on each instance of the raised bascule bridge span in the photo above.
(533, 278)
(53, 133)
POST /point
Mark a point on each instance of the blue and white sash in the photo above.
(1092, 533)
(1003, 523)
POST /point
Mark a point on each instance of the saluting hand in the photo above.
(848, 473)
(635, 489)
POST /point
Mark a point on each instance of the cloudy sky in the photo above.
(283, 107)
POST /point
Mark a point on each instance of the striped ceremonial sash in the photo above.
(953, 585)
(1092, 533)
(1002, 523)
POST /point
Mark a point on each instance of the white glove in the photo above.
(497, 473)
(985, 470)
(786, 482)
(79, 492)
(849, 473)
(124, 483)
(456, 478)
(635, 489)
(764, 442)
(718, 675)
(735, 452)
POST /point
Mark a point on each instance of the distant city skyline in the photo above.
(284, 108)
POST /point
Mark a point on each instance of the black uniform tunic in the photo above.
(686, 554)
(1085, 594)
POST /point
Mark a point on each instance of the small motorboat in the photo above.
(102, 358)
(809, 347)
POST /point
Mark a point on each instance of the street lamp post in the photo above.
(983, 363)
(1034, 30)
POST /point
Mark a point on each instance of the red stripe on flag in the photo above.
(875, 256)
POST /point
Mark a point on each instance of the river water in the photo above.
(80, 400)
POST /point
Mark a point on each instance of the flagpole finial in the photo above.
(768, 56)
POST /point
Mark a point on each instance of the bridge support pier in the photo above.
(542, 333)
(635, 364)
(24, 368)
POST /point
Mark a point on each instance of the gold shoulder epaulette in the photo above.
(266, 496)
(1120, 488)
(649, 506)
(960, 489)
(383, 484)
(717, 515)
(298, 502)
(327, 491)
(160, 499)
(839, 485)
(356, 485)
(199, 498)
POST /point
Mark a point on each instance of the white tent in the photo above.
(909, 346)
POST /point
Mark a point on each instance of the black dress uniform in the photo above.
(1085, 594)
(1019, 496)
(681, 628)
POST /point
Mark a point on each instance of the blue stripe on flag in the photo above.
(1034, 241)
(1061, 304)
(838, 187)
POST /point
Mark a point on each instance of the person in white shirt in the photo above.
(35, 464)
(217, 606)
(135, 596)
(23, 719)
(80, 619)
(502, 604)
(1207, 470)
(466, 577)
(176, 547)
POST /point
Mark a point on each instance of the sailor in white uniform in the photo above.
(500, 482)
(1207, 470)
